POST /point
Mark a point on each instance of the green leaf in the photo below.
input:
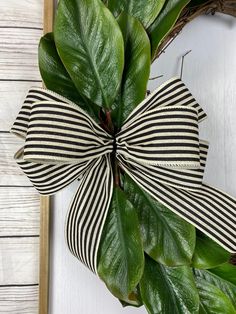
(56, 78)
(165, 22)
(90, 45)
(208, 253)
(144, 11)
(167, 238)
(137, 67)
(226, 271)
(213, 300)
(121, 259)
(166, 290)
(226, 287)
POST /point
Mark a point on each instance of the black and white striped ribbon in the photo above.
(158, 146)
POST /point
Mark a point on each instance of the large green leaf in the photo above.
(226, 287)
(167, 238)
(165, 21)
(121, 258)
(166, 290)
(90, 44)
(137, 67)
(144, 11)
(56, 78)
(226, 271)
(208, 253)
(213, 300)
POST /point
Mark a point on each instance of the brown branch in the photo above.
(233, 259)
(190, 13)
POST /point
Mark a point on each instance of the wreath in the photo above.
(96, 66)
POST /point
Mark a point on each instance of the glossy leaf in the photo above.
(56, 78)
(166, 290)
(121, 259)
(137, 67)
(144, 11)
(167, 238)
(225, 286)
(90, 45)
(208, 253)
(165, 21)
(212, 299)
(226, 271)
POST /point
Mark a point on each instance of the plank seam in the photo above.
(20, 80)
(23, 27)
(16, 186)
(19, 285)
(20, 236)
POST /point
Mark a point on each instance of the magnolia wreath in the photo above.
(142, 218)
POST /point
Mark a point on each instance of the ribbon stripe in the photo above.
(87, 212)
(158, 146)
(182, 178)
(152, 151)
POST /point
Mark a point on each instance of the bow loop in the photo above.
(57, 131)
(165, 137)
(171, 93)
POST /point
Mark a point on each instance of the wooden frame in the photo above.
(45, 202)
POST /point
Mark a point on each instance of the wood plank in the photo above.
(18, 54)
(44, 254)
(45, 201)
(23, 13)
(19, 260)
(12, 95)
(19, 300)
(19, 211)
(20, 30)
(48, 15)
(10, 172)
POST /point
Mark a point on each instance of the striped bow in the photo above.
(158, 146)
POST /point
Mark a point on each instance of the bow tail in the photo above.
(208, 209)
(88, 211)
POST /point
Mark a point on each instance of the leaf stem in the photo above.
(109, 122)
(116, 174)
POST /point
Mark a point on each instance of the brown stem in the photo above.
(102, 123)
(116, 174)
(233, 259)
(109, 121)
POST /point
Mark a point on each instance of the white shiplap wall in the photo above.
(210, 73)
(20, 29)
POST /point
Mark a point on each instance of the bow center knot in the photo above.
(114, 145)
